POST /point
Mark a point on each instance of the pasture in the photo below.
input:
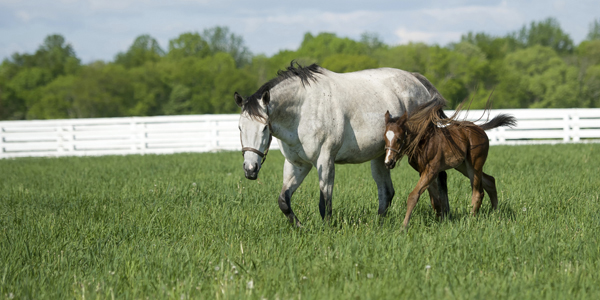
(190, 226)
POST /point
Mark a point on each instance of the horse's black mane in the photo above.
(306, 75)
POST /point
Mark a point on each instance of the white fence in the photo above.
(201, 133)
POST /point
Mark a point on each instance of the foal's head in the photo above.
(395, 139)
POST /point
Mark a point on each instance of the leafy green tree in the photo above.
(326, 44)
(221, 40)
(594, 33)
(538, 77)
(144, 49)
(349, 63)
(414, 57)
(188, 45)
(494, 48)
(546, 33)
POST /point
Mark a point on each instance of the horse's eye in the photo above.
(265, 129)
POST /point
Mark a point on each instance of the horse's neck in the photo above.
(286, 100)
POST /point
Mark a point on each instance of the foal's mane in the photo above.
(305, 74)
(422, 123)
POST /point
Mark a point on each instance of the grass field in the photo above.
(191, 226)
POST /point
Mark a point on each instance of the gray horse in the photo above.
(322, 118)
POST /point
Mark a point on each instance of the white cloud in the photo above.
(438, 37)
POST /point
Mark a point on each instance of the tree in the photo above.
(349, 63)
(538, 77)
(327, 44)
(188, 45)
(144, 49)
(221, 40)
(594, 33)
(546, 33)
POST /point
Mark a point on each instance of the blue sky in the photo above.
(99, 29)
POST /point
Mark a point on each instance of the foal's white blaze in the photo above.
(389, 135)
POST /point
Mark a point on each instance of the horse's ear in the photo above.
(387, 116)
(239, 100)
(266, 97)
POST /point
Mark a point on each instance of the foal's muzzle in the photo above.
(390, 164)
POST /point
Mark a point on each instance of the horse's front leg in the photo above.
(385, 188)
(293, 175)
(326, 167)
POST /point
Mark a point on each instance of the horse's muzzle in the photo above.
(251, 172)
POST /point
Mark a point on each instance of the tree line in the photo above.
(538, 66)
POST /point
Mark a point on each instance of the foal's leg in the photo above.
(385, 188)
(467, 169)
(438, 193)
(292, 178)
(489, 185)
(325, 166)
(426, 177)
(477, 183)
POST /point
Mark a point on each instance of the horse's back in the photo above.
(358, 102)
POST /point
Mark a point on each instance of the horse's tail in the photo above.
(500, 120)
(436, 97)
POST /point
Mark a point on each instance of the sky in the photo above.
(99, 29)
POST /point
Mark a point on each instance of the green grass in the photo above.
(190, 226)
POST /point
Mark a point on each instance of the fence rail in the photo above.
(202, 133)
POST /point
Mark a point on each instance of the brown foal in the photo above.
(434, 144)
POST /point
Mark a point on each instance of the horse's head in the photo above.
(395, 139)
(255, 132)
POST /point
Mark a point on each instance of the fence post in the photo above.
(575, 127)
(133, 134)
(69, 142)
(60, 149)
(501, 137)
(142, 136)
(1, 142)
(214, 135)
(566, 126)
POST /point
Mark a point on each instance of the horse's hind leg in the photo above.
(385, 188)
(489, 185)
(292, 178)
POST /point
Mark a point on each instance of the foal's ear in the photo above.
(266, 97)
(387, 116)
(239, 100)
(403, 118)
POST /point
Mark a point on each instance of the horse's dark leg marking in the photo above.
(292, 178)
(326, 169)
(385, 187)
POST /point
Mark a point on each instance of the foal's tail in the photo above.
(500, 120)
